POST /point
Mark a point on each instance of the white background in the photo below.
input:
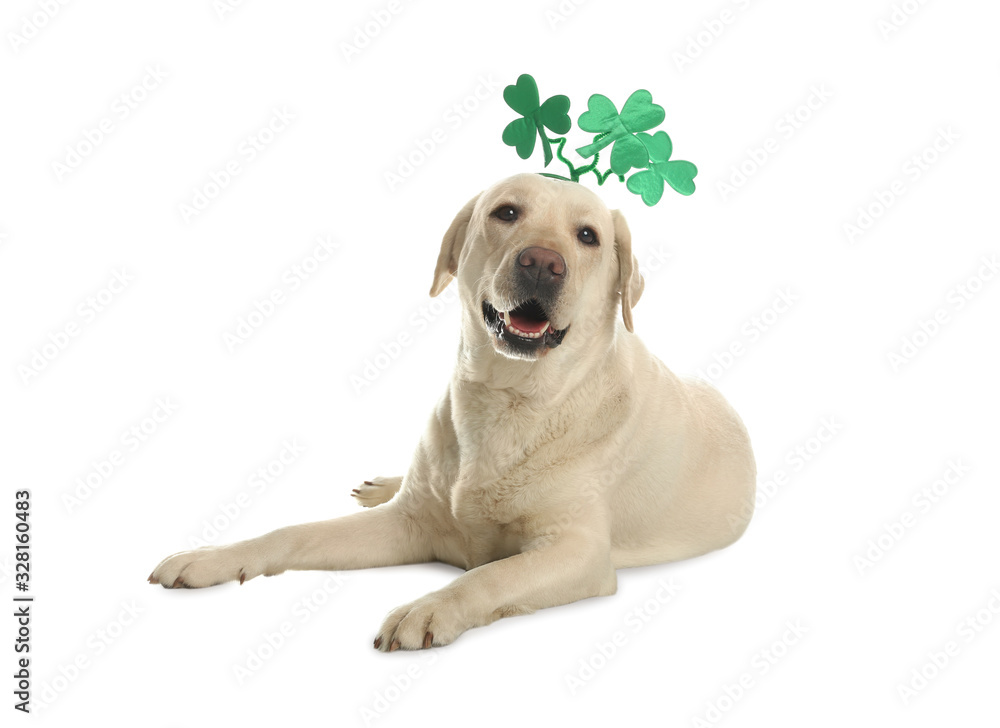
(883, 88)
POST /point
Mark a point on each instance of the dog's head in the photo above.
(540, 261)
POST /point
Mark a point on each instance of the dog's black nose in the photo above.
(541, 265)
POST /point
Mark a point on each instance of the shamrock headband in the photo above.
(626, 131)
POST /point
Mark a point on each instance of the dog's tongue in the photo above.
(527, 325)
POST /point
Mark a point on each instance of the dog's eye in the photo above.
(507, 213)
(587, 236)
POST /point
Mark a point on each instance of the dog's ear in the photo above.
(630, 283)
(451, 248)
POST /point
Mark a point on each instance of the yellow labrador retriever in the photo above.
(562, 450)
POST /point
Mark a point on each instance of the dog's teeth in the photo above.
(524, 334)
(506, 317)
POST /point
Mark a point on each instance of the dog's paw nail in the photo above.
(243, 577)
(394, 646)
(428, 639)
(356, 490)
(378, 642)
(367, 482)
(152, 580)
(177, 583)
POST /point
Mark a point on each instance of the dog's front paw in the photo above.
(207, 566)
(377, 490)
(433, 620)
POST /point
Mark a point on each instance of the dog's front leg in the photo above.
(383, 536)
(571, 567)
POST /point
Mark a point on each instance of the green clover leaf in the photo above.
(658, 146)
(638, 115)
(678, 174)
(522, 97)
(648, 183)
(520, 134)
(554, 114)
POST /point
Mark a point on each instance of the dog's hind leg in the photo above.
(384, 536)
(377, 490)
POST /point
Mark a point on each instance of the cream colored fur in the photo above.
(540, 476)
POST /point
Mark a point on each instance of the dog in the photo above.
(562, 450)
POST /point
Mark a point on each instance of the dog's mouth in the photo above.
(524, 329)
